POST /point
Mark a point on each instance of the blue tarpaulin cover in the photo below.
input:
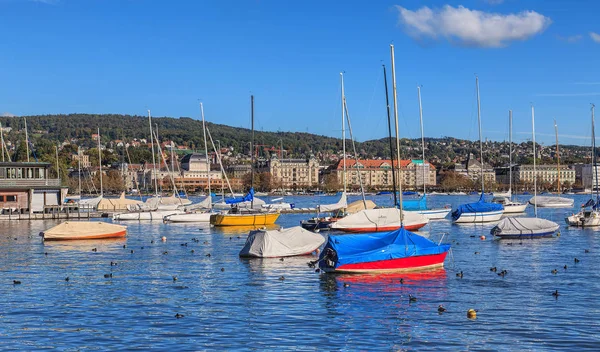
(480, 206)
(247, 198)
(378, 246)
(591, 203)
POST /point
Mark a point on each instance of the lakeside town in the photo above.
(281, 169)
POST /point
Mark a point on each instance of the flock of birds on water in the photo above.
(471, 313)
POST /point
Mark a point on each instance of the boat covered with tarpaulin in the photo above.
(551, 202)
(480, 211)
(83, 230)
(419, 206)
(515, 227)
(281, 243)
(399, 250)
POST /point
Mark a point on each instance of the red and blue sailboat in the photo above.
(394, 251)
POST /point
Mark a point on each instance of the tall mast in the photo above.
(595, 166)
(534, 157)
(155, 174)
(387, 103)
(343, 130)
(557, 159)
(2, 141)
(252, 149)
(26, 139)
(79, 168)
(206, 148)
(397, 135)
(510, 153)
(480, 141)
(100, 164)
(57, 167)
(422, 138)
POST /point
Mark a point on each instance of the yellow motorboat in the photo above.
(244, 219)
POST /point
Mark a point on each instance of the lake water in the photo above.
(230, 303)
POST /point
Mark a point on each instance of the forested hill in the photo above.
(188, 132)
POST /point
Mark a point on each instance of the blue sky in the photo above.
(126, 56)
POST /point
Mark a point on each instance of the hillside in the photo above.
(78, 129)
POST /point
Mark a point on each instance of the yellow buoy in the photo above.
(471, 314)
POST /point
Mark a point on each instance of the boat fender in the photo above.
(472, 314)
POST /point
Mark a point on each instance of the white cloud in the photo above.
(7, 114)
(595, 37)
(471, 27)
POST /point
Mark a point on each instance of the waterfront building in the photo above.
(27, 187)
(545, 173)
(378, 173)
(294, 173)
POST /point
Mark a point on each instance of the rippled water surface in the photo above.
(230, 303)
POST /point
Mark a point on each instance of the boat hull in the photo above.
(433, 214)
(385, 228)
(244, 219)
(414, 263)
(526, 235)
(513, 209)
(192, 217)
(117, 234)
(145, 216)
(479, 217)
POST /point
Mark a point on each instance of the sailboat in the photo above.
(589, 215)
(91, 203)
(380, 219)
(337, 209)
(480, 211)
(394, 251)
(202, 211)
(420, 206)
(510, 207)
(526, 227)
(551, 201)
(246, 217)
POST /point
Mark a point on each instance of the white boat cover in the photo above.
(173, 200)
(552, 202)
(359, 205)
(281, 243)
(524, 227)
(341, 204)
(206, 203)
(378, 218)
(89, 202)
(83, 230)
(117, 204)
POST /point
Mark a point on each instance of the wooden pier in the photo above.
(54, 212)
